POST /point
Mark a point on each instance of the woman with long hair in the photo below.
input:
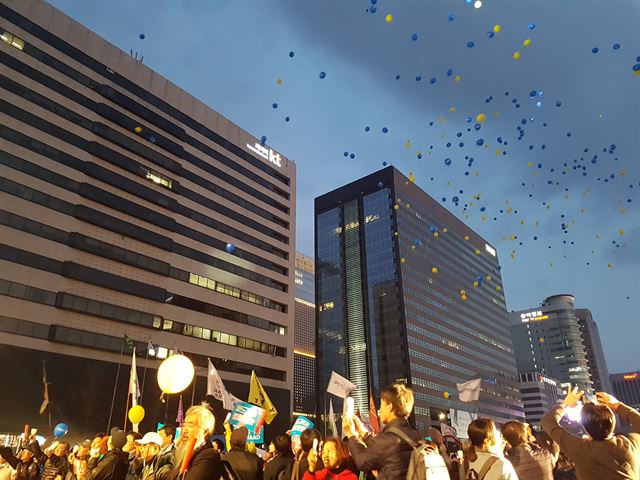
(337, 462)
(484, 459)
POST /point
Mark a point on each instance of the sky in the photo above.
(539, 154)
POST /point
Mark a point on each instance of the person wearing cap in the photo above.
(114, 464)
(247, 466)
(150, 446)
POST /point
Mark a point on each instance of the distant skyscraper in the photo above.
(304, 362)
(547, 339)
(540, 393)
(406, 292)
(595, 353)
(626, 387)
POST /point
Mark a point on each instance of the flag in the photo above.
(258, 396)
(216, 389)
(134, 387)
(332, 420)
(470, 390)
(340, 386)
(45, 393)
(373, 414)
(151, 348)
(180, 416)
(128, 341)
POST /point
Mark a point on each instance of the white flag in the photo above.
(470, 390)
(340, 386)
(134, 387)
(332, 420)
(215, 388)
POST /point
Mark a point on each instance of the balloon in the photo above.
(402, 260)
(595, 50)
(175, 374)
(385, 130)
(263, 139)
(481, 117)
(532, 26)
(230, 248)
(466, 237)
(322, 75)
(516, 55)
(452, 17)
(477, 4)
(414, 37)
(527, 42)
(445, 395)
(497, 28)
(291, 54)
(274, 105)
(616, 46)
(60, 430)
(136, 414)
(279, 81)
(142, 36)
(388, 18)
(380, 184)
(447, 161)
(434, 270)
(470, 44)
(137, 129)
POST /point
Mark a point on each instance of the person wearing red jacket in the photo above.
(336, 459)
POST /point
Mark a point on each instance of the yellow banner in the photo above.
(258, 396)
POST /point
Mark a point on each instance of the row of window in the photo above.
(130, 186)
(11, 39)
(109, 74)
(95, 217)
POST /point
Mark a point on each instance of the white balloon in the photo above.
(175, 374)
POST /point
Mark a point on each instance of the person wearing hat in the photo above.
(114, 464)
(246, 466)
(150, 446)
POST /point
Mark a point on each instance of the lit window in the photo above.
(162, 352)
(211, 284)
(158, 179)
(12, 40)
(193, 278)
(202, 281)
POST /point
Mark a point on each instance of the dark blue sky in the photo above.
(574, 183)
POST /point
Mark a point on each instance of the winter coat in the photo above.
(113, 466)
(24, 471)
(280, 467)
(326, 474)
(205, 464)
(52, 464)
(246, 466)
(387, 453)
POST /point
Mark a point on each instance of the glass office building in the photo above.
(304, 353)
(406, 292)
(595, 353)
(128, 207)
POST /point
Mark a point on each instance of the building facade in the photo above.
(595, 353)
(405, 292)
(540, 394)
(304, 354)
(626, 387)
(128, 207)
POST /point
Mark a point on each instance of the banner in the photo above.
(301, 424)
(251, 416)
(460, 420)
(257, 438)
(258, 396)
(469, 391)
(340, 386)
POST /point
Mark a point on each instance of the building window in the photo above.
(12, 40)
(158, 179)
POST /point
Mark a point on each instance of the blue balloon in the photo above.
(595, 50)
(447, 161)
(142, 36)
(366, 129)
(532, 26)
(286, 119)
(274, 105)
(470, 44)
(432, 228)
(263, 139)
(452, 17)
(380, 184)
(322, 74)
(230, 248)
(385, 129)
(60, 430)
(490, 34)
(414, 37)
(291, 54)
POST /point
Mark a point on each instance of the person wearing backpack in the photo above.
(484, 459)
(386, 452)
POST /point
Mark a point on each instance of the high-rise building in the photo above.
(595, 353)
(540, 394)
(547, 339)
(304, 353)
(626, 387)
(406, 292)
(128, 207)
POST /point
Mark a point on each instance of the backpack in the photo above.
(473, 475)
(425, 463)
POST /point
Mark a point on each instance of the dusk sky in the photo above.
(554, 182)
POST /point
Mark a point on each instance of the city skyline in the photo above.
(232, 56)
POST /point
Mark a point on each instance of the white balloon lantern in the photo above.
(175, 374)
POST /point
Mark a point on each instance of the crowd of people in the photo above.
(398, 452)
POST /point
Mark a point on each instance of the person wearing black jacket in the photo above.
(386, 452)
(24, 465)
(113, 465)
(55, 464)
(282, 465)
(245, 465)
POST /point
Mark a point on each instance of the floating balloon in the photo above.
(137, 129)
(291, 54)
(274, 105)
(322, 75)
(230, 248)
(279, 81)
(496, 28)
(175, 374)
(142, 36)
(445, 395)
(470, 44)
(60, 430)
(516, 55)
(380, 184)
(595, 50)
(532, 26)
(136, 414)
(481, 117)
(434, 270)
(388, 18)
(452, 17)
(414, 37)
(477, 4)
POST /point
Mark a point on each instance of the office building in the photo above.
(304, 353)
(540, 394)
(626, 387)
(595, 353)
(128, 207)
(547, 339)
(406, 292)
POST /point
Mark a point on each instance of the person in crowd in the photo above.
(112, 465)
(6, 471)
(24, 464)
(55, 462)
(438, 441)
(204, 463)
(387, 452)
(336, 460)
(281, 465)
(78, 461)
(307, 438)
(484, 458)
(98, 447)
(136, 462)
(166, 456)
(131, 446)
(530, 461)
(150, 446)
(603, 455)
(247, 466)
(218, 446)
(270, 454)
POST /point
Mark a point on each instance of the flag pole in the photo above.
(193, 390)
(115, 388)
(144, 373)
(126, 409)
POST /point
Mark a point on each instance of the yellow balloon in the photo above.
(175, 374)
(389, 18)
(497, 28)
(445, 395)
(488, 277)
(444, 230)
(136, 414)
(498, 288)
(475, 284)
(137, 129)
(464, 297)
(402, 260)
(477, 251)
(436, 234)
(279, 81)
(466, 237)
(516, 55)
(527, 42)
(463, 292)
(434, 270)
(481, 117)
(457, 78)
